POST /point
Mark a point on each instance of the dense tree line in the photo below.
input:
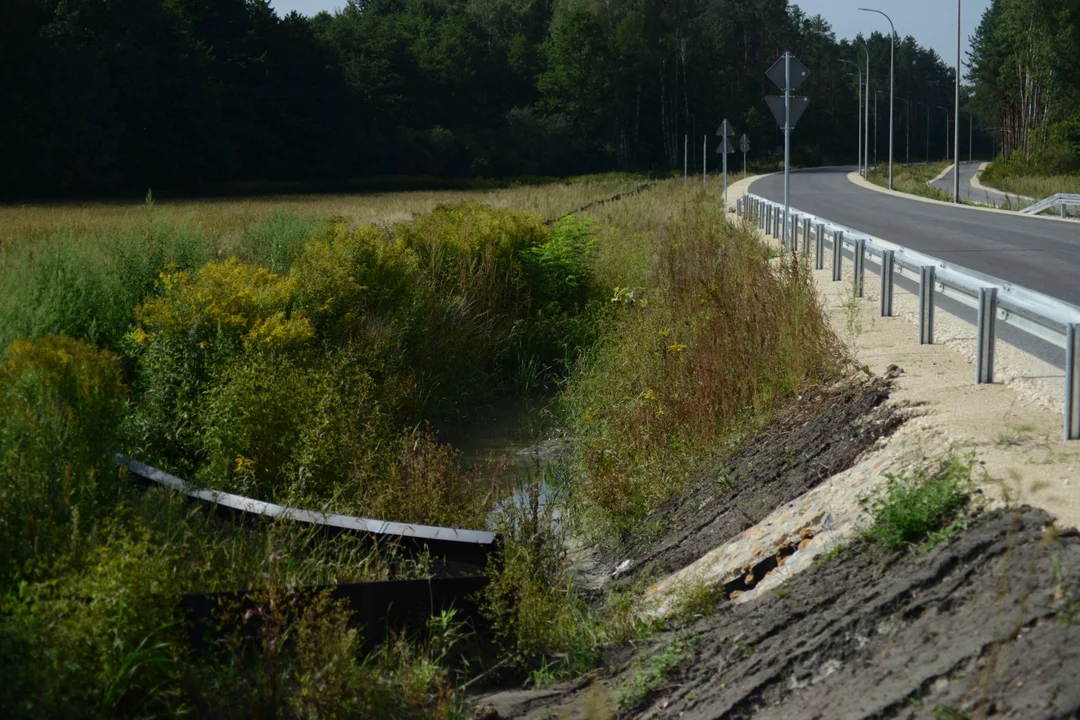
(1024, 61)
(108, 96)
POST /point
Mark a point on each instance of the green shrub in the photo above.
(98, 641)
(920, 506)
(62, 402)
(276, 240)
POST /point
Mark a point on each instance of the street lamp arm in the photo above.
(892, 86)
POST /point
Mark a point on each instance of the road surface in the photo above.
(982, 196)
(1042, 255)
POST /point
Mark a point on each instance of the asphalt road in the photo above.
(1039, 254)
(983, 196)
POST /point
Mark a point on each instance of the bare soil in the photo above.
(983, 625)
(818, 435)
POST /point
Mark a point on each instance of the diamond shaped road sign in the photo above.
(798, 107)
(725, 130)
(725, 147)
(777, 74)
(744, 143)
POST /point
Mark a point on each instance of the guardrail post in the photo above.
(738, 207)
(1072, 382)
(768, 215)
(888, 266)
(794, 232)
(838, 256)
(984, 347)
(776, 223)
(819, 248)
(860, 266)
(926, 304)
(806, 235)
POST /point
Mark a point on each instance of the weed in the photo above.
(651, 674)
(921, 505)
(698, 599)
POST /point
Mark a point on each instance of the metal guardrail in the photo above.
(461, 551)
(1065, 200)
(1054, 321)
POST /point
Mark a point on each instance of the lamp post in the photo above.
(927, 129)
(946, 111)
(907, 128)
(892, 57)
(866, 123)
(956, 126)
(876, 93)
(858, 115)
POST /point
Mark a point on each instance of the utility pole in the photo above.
(685, 159)
(705, 161)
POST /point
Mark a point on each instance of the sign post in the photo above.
(725, 132)
(787, 73)
(744, 147)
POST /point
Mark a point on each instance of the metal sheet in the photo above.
(799, 103)
(777, 73)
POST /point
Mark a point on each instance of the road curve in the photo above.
(1039, 254)
(982, 195)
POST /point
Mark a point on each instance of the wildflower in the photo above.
(648, 395)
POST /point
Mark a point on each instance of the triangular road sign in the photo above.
(798, 73)
(725, 147)
(798, 107)
(725, 130)
(744, 143)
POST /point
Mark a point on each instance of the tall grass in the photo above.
(1021, 182)
(712, 340)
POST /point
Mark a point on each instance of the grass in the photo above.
(653, 673)
(921, 507)
(1019, 182)
(912, 179)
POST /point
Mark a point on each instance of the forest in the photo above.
(107, 99)
(1023, 71)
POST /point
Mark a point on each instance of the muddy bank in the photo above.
(820, 434)
(983, 625)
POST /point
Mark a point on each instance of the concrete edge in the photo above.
(856, 179)
(942, 174)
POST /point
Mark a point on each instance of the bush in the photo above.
(919, 506)
(63, 402)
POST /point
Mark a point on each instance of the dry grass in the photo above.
(1032, 186)
(226, 220)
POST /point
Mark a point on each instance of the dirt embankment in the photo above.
(987, 624)
(983, 625)
(818, 435)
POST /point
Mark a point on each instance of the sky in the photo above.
(931, 22)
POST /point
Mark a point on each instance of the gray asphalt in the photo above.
(984, 196)
(1039, 254)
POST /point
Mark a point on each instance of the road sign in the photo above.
(725, 146)
(777, 73)
(744, 144)
(725, 130)
(799, 103)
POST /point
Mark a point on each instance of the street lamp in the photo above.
(907, 128)
(927, 129)
(892, 56)
(858, 114)
(946, 111)
(956, 127)
(866, 123)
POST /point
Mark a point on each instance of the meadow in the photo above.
(303, 350)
